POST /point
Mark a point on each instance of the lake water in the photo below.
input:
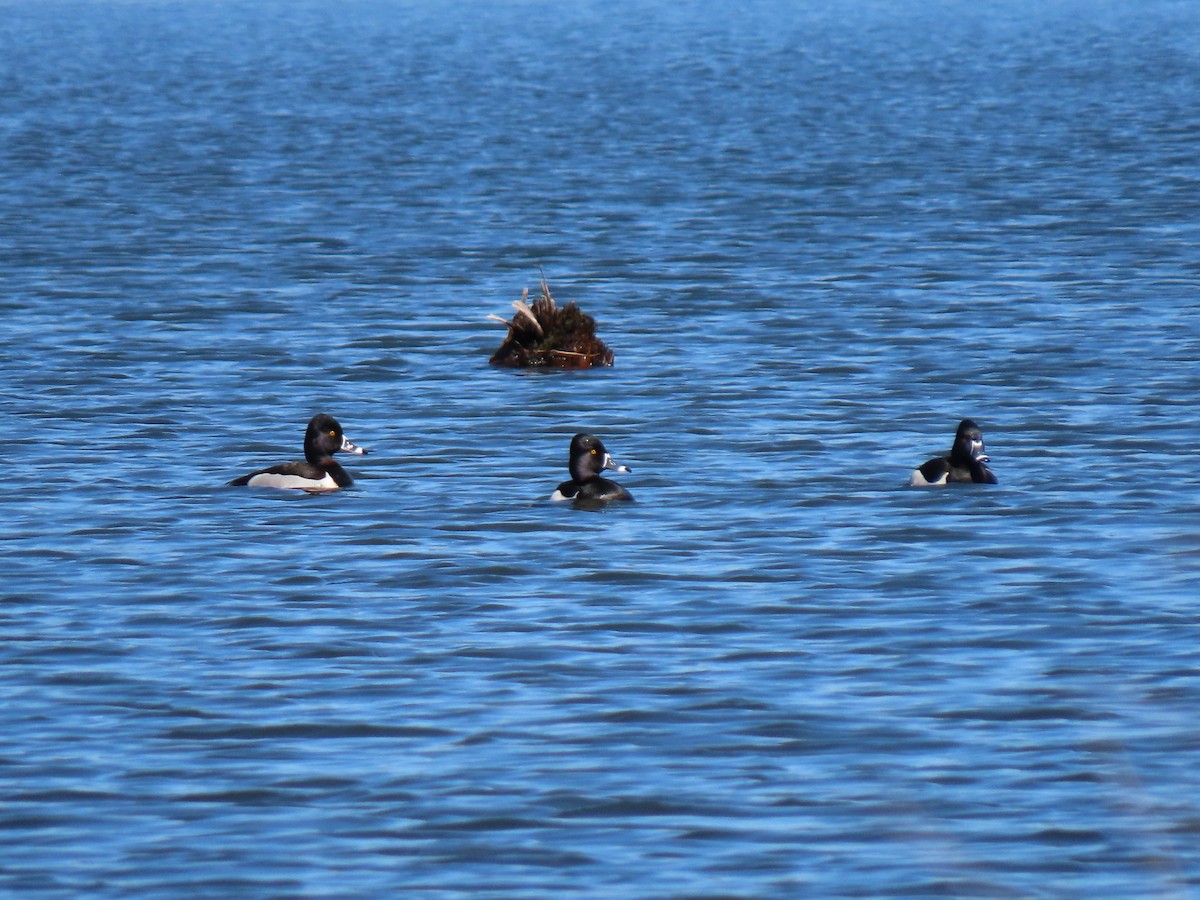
(815, 236)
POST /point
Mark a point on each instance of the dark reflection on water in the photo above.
(814, 238)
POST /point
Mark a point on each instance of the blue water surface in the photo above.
(815, 237)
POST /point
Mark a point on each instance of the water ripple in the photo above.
(815, 238)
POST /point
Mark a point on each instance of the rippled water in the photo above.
(814, 237)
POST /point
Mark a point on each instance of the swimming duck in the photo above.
(966, 463)
(588, 460)
(319, 471)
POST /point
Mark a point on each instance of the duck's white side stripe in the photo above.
(271, 479)
(918, 480)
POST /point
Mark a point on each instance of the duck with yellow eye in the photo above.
(319, 471)
(588, 460)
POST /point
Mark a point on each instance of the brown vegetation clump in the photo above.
(543, 334)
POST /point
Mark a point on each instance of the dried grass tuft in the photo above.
(545, 335)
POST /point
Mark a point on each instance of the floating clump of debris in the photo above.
(545, 335)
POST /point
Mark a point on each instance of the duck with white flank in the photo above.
(319, 471)
(966, 463)
(588, 460)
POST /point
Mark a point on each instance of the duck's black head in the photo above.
(968, 445)
(324, 438)
(589, 458)
(968, 453)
